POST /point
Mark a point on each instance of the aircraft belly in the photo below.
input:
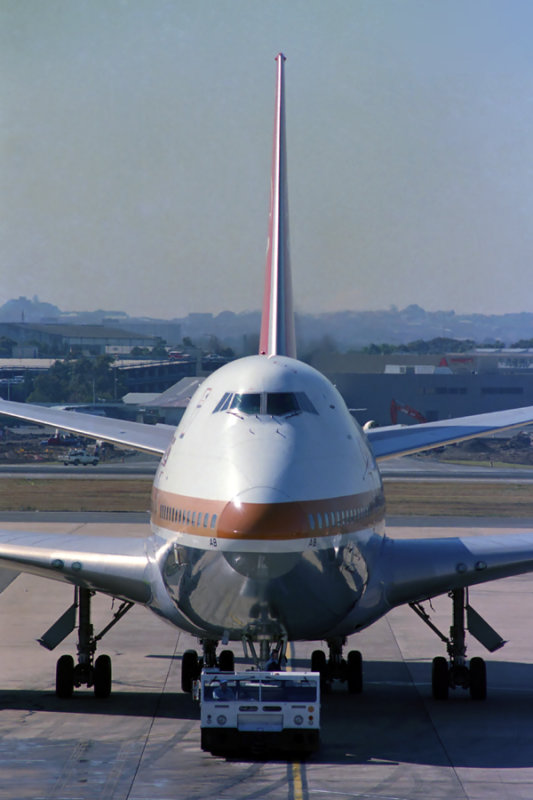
(303, 594)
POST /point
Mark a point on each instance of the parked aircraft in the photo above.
(268, 515)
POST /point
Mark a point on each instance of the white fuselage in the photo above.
(267, 505)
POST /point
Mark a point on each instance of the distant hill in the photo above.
(25, 310)
(343, 330)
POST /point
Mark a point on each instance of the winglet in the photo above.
(277, 323)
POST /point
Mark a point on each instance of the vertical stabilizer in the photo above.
(277, 323)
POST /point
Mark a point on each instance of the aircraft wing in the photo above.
(121, 567)
(397, 440)
(137, 435)
(417, 569)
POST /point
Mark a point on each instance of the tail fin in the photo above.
(277, 323)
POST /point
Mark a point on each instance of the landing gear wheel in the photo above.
(319, 664)
(189, 670)
(65, 677)
(355, 672)
(102, 677)
(226, 661)
(478, 679)
(439, 678)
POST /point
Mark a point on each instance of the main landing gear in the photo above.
(87, 671)
(455, 672)
(192, 664)
(349, 670)
(271, 656)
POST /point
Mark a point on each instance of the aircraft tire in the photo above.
(189, 670)
(102, 677)
(355, 672)
(226, 661)
(440, 683)
(65, 677)
(478, 679)
(319, 664)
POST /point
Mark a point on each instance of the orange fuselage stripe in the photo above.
(263, 521)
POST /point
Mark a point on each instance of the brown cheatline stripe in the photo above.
(291, 520)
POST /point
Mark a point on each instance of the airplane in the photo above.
(268, 515)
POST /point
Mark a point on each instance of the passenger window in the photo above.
(319, 519)
(206, 519)
(194, 517)
(311, 521)
(213, 521)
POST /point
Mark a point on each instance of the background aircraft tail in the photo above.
(277, 323)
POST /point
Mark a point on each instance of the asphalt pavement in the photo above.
(393, 742)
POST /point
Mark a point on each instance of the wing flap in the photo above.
(118, 567)
(137, 435)
(395, 440)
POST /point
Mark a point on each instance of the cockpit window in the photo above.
(305, 404)
(247, 403)
(272, 404)
(279, 403)
(223, 403)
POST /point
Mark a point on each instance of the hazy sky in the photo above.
(136, 143)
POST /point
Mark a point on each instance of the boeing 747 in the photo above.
(268, 515)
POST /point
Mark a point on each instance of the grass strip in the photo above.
(466, 498)
(74, 494)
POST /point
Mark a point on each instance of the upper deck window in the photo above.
(272, 404)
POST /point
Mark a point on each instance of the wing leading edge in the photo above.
(418, 569)
(118, 567)
(395, 440)
(137, 435)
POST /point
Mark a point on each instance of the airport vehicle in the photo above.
(256, 710)
(76, 457)
(268, 515)
(61, 441)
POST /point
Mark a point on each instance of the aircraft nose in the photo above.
(262, 513)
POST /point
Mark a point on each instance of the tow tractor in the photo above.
(259, 710)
